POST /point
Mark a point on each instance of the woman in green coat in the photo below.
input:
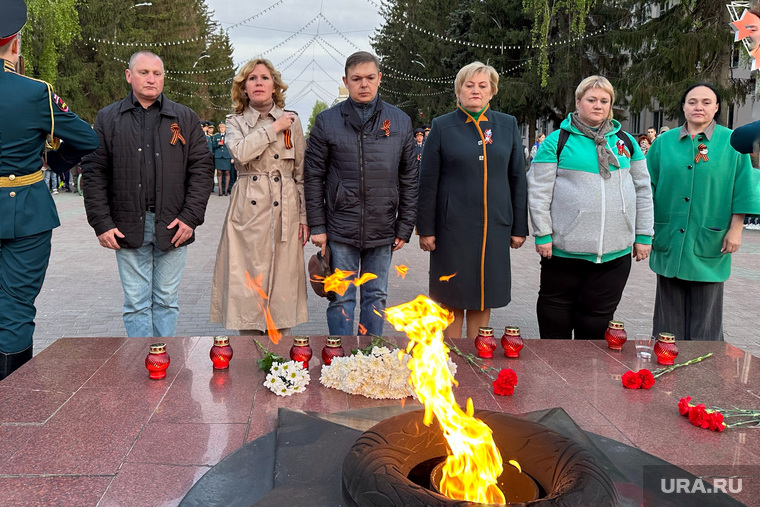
(702, 189)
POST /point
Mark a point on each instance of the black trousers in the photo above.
(688, 310)
(580, 297)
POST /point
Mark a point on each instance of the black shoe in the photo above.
(12, 362)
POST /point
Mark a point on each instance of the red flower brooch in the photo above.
(505, 383)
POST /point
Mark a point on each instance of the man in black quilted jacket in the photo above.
(360, 182)
(147, 188)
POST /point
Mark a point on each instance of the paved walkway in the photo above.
(82, 294)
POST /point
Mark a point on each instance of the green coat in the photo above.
(694, 202)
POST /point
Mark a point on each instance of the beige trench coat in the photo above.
(260, 232)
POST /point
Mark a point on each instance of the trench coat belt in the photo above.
(276, 195)
(21, 181)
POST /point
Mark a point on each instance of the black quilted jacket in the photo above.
(115, 196)
(361, 182)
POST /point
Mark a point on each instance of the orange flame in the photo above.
(446, 278)
(254, 285)
(366, 277)
(474, 462)
(362, 329)
(337, 283)
(401, 270)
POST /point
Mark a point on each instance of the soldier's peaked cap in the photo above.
(13, 20)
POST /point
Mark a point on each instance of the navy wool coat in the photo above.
(473, 198)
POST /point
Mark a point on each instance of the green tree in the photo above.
(181, 33)
(319, 106)
(684, 43)
(51, 26)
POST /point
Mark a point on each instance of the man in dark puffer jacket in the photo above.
(360, 183)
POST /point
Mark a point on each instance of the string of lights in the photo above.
(320, 40)
(295, 34)
(167, 72)
(407, 94)
(201, 95)
(147, 44)
(390, 71)
(339, 32)
(502, 46)
(246, 20)
(296, 55)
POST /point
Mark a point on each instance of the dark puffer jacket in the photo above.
(361, 182)
(114, 186)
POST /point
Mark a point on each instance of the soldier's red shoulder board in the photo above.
(58, 101)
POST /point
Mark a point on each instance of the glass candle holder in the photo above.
(333, 348)
(157, 361)
(615, 335)
(512, 342)
(221, 353)
(301, 350)
(485, 342)
(666, 349)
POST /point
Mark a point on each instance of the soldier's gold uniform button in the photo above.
(12, 194)
(12, 177)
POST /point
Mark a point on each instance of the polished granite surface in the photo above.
(82, 424)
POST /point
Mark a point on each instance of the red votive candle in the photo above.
(333, 348)
(221, 353)
(157, 361)
(615, 335)
(665, 349)
(485, 342)
(301, 350)
(512, 342)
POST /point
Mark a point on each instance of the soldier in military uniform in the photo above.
(30, 113)
(419, 143)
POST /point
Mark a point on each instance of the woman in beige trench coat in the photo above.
(265, 228)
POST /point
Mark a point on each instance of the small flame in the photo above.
(362, 329)
(474, 462)
(366, 277)
(401, 270)
(254, 285)
(446, 278)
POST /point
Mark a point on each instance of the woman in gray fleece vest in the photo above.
(590, 203)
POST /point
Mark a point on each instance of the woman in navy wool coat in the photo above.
(473, 202)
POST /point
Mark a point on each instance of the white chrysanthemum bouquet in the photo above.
(379, 374)
(287, 378)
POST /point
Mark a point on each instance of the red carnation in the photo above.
(683, 405)
(715, 421)
(698, 416)
(504, 385)
(647, 379)
(631, 380)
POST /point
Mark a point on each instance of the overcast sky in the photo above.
(316, 73)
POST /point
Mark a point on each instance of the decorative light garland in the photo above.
(295, 34)
(502, 47)
(416, 94)
(320, 40)
(125, 62)
(202, 95)
(147, 44)
(246, 20)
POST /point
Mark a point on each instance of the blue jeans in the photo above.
(340, 312)
(150, 279)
